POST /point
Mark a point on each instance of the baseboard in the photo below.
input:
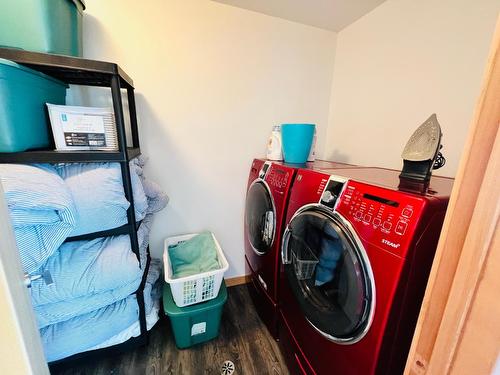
(238, 280)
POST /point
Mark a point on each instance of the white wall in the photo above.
(211, 80)
(400, 63)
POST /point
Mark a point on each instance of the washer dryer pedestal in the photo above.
(266, 308)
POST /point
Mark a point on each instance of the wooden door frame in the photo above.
(20, 344)
(467, 237)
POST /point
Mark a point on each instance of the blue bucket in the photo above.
(297, 140)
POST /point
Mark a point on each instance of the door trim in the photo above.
(20, 342)
(271, 197)
(466, 240)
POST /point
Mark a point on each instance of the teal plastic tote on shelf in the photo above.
(23, 116)
(50, 26)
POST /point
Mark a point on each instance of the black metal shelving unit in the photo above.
(73, 70)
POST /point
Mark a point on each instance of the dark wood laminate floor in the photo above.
(243, 339)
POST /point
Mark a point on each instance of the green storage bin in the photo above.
(194, 324)
(24, 122)
(50, 26)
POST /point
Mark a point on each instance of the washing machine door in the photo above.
(260, 217)
(329, 274)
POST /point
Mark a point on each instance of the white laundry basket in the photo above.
(197, 288)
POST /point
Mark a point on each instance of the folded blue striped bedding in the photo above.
(90, 298)
(48, 203)
(97, 191)
(86, 331)
(88, 275)
(47, 315)
(157, 198)
(41, 208)
(133, 330)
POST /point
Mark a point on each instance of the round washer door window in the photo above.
(330, 275)
(260, 217)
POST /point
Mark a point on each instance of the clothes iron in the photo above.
(422, 152)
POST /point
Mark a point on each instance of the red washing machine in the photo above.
(356, 254)
(267, 198)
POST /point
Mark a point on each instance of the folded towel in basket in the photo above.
(41, 208)
(194, 256)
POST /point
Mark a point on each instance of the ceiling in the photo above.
(327, 14)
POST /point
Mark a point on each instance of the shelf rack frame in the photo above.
(79, 71)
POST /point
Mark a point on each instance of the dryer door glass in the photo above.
(329, 275)
(260, 219)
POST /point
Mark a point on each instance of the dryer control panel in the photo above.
(278, 178)
(381, 216)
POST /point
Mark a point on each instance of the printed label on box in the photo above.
(83, 129)
(85, 139)
(198, 328)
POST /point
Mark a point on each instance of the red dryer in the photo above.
(268, 188)
(356, 254)
(267, 195)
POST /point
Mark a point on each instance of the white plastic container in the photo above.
(312, 153)
(195, 288)
(83, 128)
(274, 149)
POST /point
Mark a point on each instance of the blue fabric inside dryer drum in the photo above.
(329, 255)
(336, 298)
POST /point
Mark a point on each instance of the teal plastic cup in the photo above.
(297, 140)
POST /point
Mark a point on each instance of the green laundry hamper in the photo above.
(194, 324)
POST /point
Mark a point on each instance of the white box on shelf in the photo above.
(83, 128)
(197, 288)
